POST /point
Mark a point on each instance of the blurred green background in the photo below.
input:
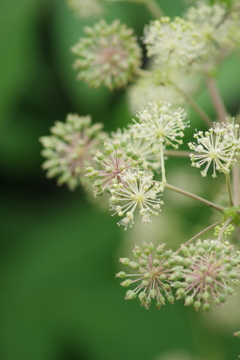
(59, 253)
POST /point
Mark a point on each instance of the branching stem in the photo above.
(176, 153)
(221, 233)
(216, 98)
(192, 196)
(229, 190)
(194, 105)
(199, 234)
(153, 8)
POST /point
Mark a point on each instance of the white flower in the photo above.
(213, 147)
(173, 42)
(161, 126)
(136, 191)
(232, 135)
(216, 26)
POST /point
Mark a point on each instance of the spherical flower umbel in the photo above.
(139, 146)
(109, 56)
(85, 8)
(137, 190)
(160, 126)
(71, 148)
(173, 42)
(116, 158)
(210, 268)
(213, 146)
(155, 270)
(214, 26)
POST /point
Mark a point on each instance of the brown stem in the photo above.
(176, 153)
(216, 98)
(199, 234)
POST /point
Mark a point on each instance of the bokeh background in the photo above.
(59, 254)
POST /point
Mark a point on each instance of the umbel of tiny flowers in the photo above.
(116, 157)
(155, 273)
(138, 146)
(109, 56)
(70, 149)
(85, 8)
(172, 42)
(160, 127)
(210, 266)
(215, 26)
(214, 146)
(136, 191)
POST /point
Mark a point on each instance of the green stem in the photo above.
(195, 197)
(154, 8)
(216, 98)
(195, 105)
(199, 234)
(177, 153)
(151, 5)
(229, 190)
(221, 233)
(162, 164)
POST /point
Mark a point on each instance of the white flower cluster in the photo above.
(160, 126)
(136, 191)
(205, 35)
(173, 42)
(219, 146)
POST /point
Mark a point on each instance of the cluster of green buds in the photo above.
(219, 145)
(116, 157)
(156, 272)
(109, 56)
(201, 275)
(210, 267)
(70, 149)
(138, 146)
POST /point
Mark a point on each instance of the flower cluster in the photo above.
(155, 272)
(139, 146)
(160, 126)
(71, 148)
(85, 8)
(214, 26)
(219, 146)
(109, 56)
(172, 42)
(116, 158)
(135, 191)
(202, 275)
(212, 265)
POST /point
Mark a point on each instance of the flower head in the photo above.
(173, 42)
(213, 146)
(85, 8)
(116, 158)
(109, 55)
(149, 155)
(159, 126)
(210, 267)
(70, 149)
(136, 191)
(214, 26)
(155, 272)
